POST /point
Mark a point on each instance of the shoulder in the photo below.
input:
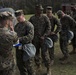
(45, 17)
(67, 16)
(29, 24)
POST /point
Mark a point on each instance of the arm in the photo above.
(48, 27)
(14, 36)
(58, 26)
(72, 23)
(30, 34)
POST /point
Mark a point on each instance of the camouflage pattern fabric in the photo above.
(74, 39)
(7, 39)
(54, 23)
(25, 32)
(42, 27)
(68, 23)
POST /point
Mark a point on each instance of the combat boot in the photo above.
(65, 57)
(72, 52)
(66, 60)
(49, 71)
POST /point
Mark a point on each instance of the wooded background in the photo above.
(28, 5)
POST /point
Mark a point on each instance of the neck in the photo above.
(22, 20)
(38, 14)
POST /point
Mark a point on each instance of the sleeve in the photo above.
(14, 36)
(15, 27)
(48, 27)
(58, 28)
(30, 34)
(72, 23)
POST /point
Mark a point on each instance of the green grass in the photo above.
(57, 68)
(28, 16)
(67, 69)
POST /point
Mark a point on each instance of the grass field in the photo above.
(57, 68)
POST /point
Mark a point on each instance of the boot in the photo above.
(64, 57)
(72, 52)
(49, 71)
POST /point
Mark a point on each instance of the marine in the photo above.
(7, 39)
(67, 23)
(25, 32)
(55, 28)
(42, 28)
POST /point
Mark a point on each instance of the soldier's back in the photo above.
(6, 46)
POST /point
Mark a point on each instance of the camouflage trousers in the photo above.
(51, 52)
(64, 44)
(41, 53)
(25, 68)
(7, 71)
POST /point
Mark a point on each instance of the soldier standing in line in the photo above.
(25, 32)
(67, 23)
(42, 28)
(54, 22)
(7, 39)
(73, 9)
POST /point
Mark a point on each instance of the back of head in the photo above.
(5, 15)
(59, 12)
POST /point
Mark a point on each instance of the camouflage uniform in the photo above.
(25, 31)
(68, 23)
(41, 28)
(54, 22)
(74, 39)
(7, 38)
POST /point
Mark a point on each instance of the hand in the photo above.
(11, 26)
(52, 33)
(42, 38)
